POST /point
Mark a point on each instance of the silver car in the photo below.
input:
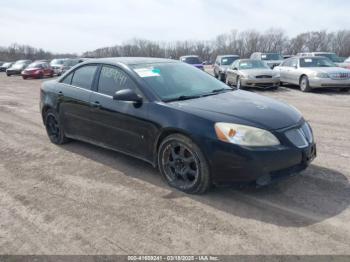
(313, 72)
(252, 73)
(330, 55)
(57, 65)
(222, 63)
(271, 59)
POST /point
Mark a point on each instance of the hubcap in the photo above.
(180, 166)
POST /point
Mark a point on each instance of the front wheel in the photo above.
(54, 128)
(304, 84)
(239, 83)
(227, 82)
(183, 165)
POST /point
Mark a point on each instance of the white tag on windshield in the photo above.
(308, 60)
(147, 72)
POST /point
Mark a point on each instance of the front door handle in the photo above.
(96, 104)
(60, 93)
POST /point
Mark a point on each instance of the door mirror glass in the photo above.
(127, 95)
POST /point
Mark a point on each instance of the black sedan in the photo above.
(193, 127)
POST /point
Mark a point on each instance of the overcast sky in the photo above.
(81, 25)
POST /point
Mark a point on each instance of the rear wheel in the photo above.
(54, 128)
(304, 84)
(183, 165)
(24, 77)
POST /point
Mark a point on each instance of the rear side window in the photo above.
(112, 80)
(84, 76)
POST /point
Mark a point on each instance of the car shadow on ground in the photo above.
(324, 91)
(311, 197)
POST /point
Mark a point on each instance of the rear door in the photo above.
(120, 125)
(74, 105)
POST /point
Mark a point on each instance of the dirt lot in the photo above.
(81, 199)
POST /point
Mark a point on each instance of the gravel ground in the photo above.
(81, 199)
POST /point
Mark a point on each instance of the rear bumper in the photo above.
(327, 82)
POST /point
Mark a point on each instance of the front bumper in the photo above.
(13, 72)
(260, 82)
(231, 164)
(31, 74)
(316, 82)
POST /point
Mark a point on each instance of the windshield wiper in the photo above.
(218, 91)
(180, 98)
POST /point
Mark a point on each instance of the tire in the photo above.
(227, 82)
(238, 83)
(54, 128)
(221, 77)
(8, 74)
(304, 84)
(183, 165)
(24, 77)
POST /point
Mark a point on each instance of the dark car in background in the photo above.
(37, 70)
(193, 60)
(69, 63)
(57, 65)
(5, 66)
(197, 130)
(17, 67)
(222, 63)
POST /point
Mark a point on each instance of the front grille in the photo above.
(300, 137)
(263, 76)
(339, 76)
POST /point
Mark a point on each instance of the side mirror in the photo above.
(235, 68)
(127, 95)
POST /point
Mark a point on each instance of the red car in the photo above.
(37, 70)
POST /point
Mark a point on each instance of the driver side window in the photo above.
(113, 79)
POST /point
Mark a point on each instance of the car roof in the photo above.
(221, 56)
(130, 60)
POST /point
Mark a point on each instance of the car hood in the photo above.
(242, 107)
(327, 70)
(257, 72)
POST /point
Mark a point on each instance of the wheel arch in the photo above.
(164, 133)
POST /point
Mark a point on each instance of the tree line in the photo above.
(242, 43)
(17, 52)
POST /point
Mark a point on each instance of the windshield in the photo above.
(57, 62)
(35, 65)
(252, 64)
(316, 62)
(271, 56)
(331, 56)
(6, 64)
(228, 60)
(192, 60)
(178, 81)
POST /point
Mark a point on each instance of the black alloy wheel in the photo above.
(183, 165)
(54, 129)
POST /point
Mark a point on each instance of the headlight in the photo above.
(244, 135)
(322, 75)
